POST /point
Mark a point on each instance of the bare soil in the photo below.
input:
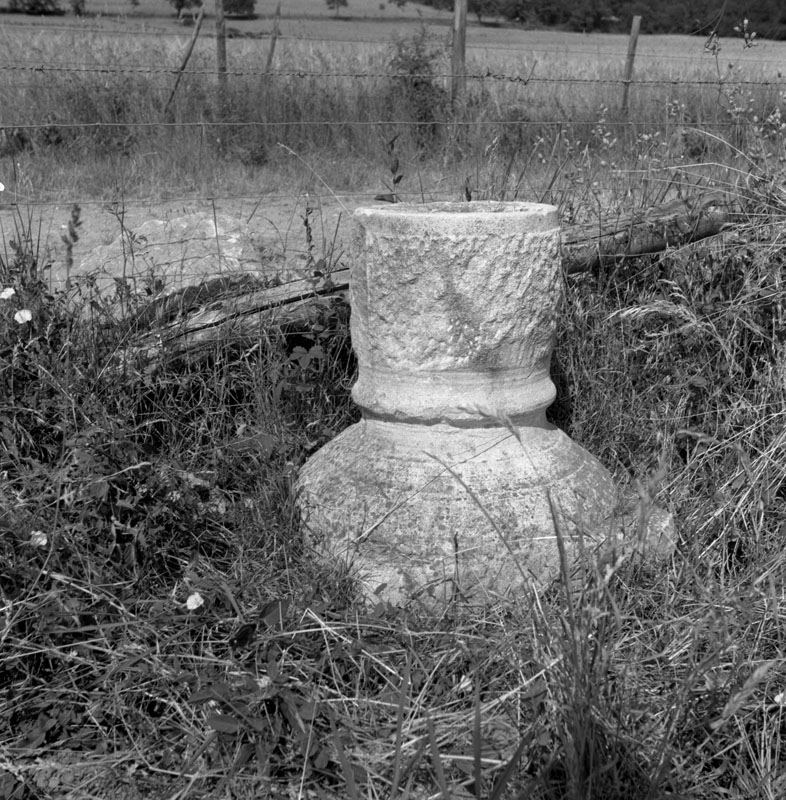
(275, 225)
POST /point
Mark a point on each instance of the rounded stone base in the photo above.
(446, 510)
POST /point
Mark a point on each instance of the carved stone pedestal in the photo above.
(454, 479)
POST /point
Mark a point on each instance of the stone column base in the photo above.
(444, 511)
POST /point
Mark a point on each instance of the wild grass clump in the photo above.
(131, 487)
(685, 354)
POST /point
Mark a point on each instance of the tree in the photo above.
(336, 5)
(239, 8)
(484, 8)
(181, 5)
(35, 6)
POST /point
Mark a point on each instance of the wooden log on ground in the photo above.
(193, 327)
(646, 230)
(182, 322)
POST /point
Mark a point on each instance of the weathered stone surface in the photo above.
(454, 309)
(169, 254)
(435, 508)
(454, 479)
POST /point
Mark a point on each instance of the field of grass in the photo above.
(165, 629)
(535, 101)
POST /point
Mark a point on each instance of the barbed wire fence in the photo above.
(24, 74)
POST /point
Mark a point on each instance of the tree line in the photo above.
(766, 18)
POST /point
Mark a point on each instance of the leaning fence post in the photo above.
(221, 56)
(273, 38)
(632, 42)
(189, 49)
(453, 478)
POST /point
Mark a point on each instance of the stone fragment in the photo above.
(167, 255)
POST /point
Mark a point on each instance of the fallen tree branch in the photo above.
(183, 321)
(647, 230)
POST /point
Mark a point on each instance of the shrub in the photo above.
(336, 5)
(35, 6)
(239, 8)
(416, 91)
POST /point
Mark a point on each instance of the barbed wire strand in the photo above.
(301, 74)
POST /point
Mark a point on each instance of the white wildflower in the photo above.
(780, 698)
(25, 315)
(194, 601)
(7, 293)
(2, 188)
(39, 539)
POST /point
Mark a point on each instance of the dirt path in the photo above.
(274, 225)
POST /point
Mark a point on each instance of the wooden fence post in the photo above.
(458, 64)
(632, 42)
(189, 50)
(221, 55)
(273, 38)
